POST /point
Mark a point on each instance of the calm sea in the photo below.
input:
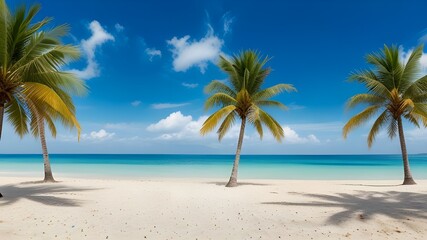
(217, 166)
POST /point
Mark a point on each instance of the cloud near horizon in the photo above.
(195, 53)
(98, 135)
(98, 38)
(179, 126)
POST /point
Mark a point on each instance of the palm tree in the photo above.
(243, 97)
(396, 92)
(32, 86)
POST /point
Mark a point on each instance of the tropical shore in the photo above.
(205, 209)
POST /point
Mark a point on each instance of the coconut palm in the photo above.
(32, 86)
(395, 92)
(243, 97)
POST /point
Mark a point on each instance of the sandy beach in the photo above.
(205, 209)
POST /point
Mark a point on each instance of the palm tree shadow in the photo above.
(373, 185)
(239, 184)
(367, 204)
(46, 194)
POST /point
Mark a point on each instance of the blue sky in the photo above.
(146, 63)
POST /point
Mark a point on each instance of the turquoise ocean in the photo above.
(326, 167)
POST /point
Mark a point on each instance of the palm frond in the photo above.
(272, 125)
(273, 91)
(411, 68)
(359, 119)
(392, 128)
(365, 98)
(419, 87)
(4, 35)
(226, 125)
(372, 82)
(219, 87)
(271, 103)
(214, 119)
(378, 124)
(17, 116)
(219, 99)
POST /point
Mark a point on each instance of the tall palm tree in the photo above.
(395, 92)
(243, 97)
(32, 86)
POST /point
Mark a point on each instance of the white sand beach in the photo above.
(205, 209)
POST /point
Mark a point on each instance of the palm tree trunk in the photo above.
(1, 117)
(408, 180)
(48, 176)
(233, 178)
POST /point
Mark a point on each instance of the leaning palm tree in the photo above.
(42, 115)
(32, 86)
(395, 92)
(243, 97)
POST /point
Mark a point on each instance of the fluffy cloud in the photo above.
(187, 54)
(292, 137)
(178, 127)
(99, 135)
(190, 85)
(118, 27)
(173, 122)
(167, 105)
(136, 103)
(152, 53)
(98, 38)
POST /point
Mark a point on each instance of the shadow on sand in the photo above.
(240, 184)
(373, 185)
(366, 204)
(45, 193)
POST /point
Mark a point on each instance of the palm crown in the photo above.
(243, 96)
(32, 84)
(394, 89)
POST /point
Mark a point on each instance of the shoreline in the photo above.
(171, 208)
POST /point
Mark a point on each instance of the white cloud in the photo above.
(190, 85)
(423, 61)
(227, 20)
(179, 127)
(292, 137)
(187, 54)
(136, 103)
(167, 105)
(118, 27)
(152, 53)
(99, 135)
(173, 122)
(98, 38)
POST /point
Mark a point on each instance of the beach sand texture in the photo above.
(205, 209)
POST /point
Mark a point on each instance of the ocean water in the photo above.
(326, 167)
